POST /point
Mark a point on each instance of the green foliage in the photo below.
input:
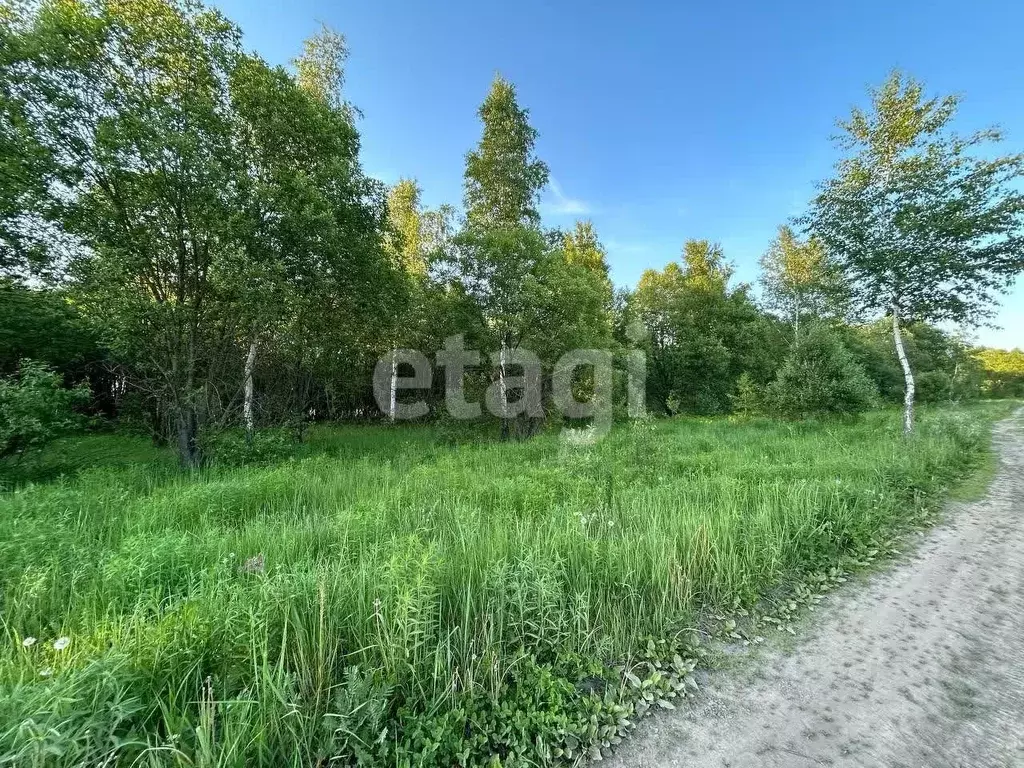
(704, 334)
(224, 208)
(567, 307)
(502, 246)
(821, 377)
(406, 240)
(1003, 372)
(917, 219)
(504, 178)
(800, 281)
(25, 165)
(35, 407)
(320, 70)
(416, 596)
(233, 448)
(946, 367)
(214, 240)
(749, 398)
(329, 608)
(921, 225)
(44, 326)
(547, 292)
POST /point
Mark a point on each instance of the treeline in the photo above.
(1004, 372)
(189, 229)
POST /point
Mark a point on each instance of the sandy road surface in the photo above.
(921, 667)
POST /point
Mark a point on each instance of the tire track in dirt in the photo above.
(923, 666)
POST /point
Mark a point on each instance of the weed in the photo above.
(387, 597)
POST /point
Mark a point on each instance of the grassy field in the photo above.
(389, 598)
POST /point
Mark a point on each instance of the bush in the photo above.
(935, 387)
(35, 407)
(230, 448)
(748, 399)
(821, 377)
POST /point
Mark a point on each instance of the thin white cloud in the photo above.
(629, 248)
(560, 204)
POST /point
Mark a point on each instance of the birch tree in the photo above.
(799, 280)
(311, 225)
(405, 244)
(213, 202)
(502, 244)
(921, 224)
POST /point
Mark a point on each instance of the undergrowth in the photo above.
(386, 597)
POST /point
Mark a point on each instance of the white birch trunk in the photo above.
(247, 401)
(393, 402)
(501, 379)
(908, 375)
(796, 324)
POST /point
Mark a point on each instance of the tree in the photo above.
(943, 365)
(921, 226)
(130, 103)
(501, 244)
(42, 325)
(1003, 370)
(25, 165)
(407, 239)
(582, 246)
(320, 70)
(504, 178)
(688, 362)
(799, 280)
(567, 306)
(35, 408)
(821, 377)
(705, 267)
(315, 282)
(703, 333)
(411, 241)
(586, 302)
(216, 205)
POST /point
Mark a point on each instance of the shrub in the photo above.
(821, 377)
(749, 398)
(35, 407)
(230, 448)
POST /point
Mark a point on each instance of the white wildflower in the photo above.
(28, 642)
(579, 437)
(61, 643)
(47, 672)
(254, 564)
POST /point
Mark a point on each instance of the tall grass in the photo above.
(386, 598)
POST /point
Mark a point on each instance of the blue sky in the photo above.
(660, 121)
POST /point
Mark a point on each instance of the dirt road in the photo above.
(923, 666)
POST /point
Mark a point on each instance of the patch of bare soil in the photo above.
(921, 666)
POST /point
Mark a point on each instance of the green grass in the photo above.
(419, 603)
(67, 456)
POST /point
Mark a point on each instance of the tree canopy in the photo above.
(189, 230)
(921, 224)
